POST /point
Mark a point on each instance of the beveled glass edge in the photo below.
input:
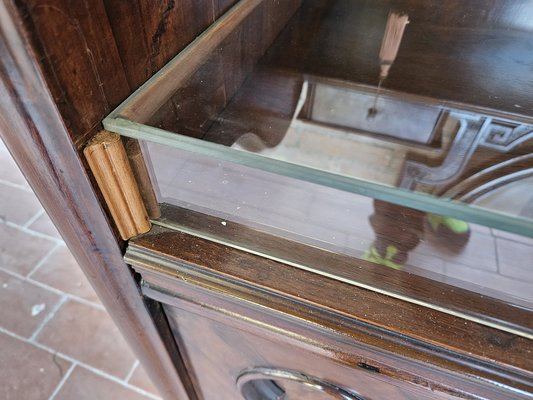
(420, 201)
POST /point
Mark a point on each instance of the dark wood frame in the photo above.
(405, 341)
(399, 284)
(35, 134)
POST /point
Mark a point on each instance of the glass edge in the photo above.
(419, 201)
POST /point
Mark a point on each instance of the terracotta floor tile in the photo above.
(62, 272)
(17, 205)
(8, 169)
(86, 385)
(19, 251)
(479, 252)
(515, 259)
(499, 286)
(27, 372)
(141, 380)
(513, 236)
(23, 305)
(89, 335)
(43, 224)
(427, 262)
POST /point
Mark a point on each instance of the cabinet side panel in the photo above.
(37, 137)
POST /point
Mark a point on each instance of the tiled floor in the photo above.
(56, 339)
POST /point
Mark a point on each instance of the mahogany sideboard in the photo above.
(210, 320)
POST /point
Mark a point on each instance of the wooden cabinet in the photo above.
(243, 287)
(233, 312)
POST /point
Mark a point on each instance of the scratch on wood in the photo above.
(161, 29)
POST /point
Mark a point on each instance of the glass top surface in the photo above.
(301, 100)
(437, 120)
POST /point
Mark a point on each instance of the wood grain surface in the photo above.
(202, 80)
(476, 53)
(400, 338)
(402, 284)
(66, 64)
(94, 54)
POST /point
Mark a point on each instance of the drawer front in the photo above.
(243, 361)
(238, 318)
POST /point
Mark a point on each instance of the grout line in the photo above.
(81, 364)
(32, 232)
(132, 370)
(38, 345)
(54, 290)
(34, 218)
(43, 260)
(497, 255)
(62, 381)
(120, 382)
(89, 303)
(47, 318)
(16, 185)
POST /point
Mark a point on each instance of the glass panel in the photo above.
(306, 120)
(302, 92)
(482, 260)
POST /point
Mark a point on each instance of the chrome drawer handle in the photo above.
(260, 384)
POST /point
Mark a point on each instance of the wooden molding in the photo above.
(142, 176)
(109, 164)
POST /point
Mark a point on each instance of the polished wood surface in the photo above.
(237, 346)
(95, 55)
(403, 284)
(222, 278)
(267, 116)
(205, 76)
(64, 65)
(476, 53)
(487, 42)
